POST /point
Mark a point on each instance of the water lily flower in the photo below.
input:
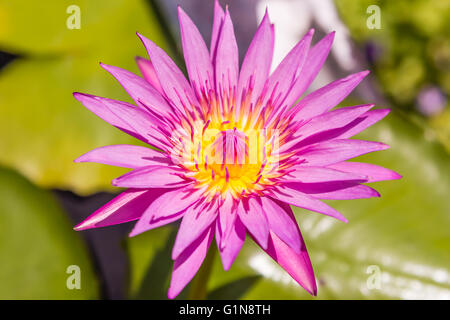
(232, 148)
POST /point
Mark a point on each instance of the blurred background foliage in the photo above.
(410, 54)
(405, 233)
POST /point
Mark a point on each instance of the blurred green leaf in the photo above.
(37, 245)
(44, 126)
(410, 52)
(150, 263)
(404, 233)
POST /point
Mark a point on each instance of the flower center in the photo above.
(221, 157)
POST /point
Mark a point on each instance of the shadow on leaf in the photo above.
(234, 290)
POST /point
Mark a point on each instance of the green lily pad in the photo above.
(40, 252)
(46, 128)
(394, 247)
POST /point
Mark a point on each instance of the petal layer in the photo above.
(127, 206)
(123, 155)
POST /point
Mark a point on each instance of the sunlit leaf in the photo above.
(40, 252)
(43, 126)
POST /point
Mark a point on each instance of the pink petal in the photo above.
(298, 265)
(256, 65)
(327, 97)
(324, 123)
(126, 156)
(282, 222)
(363, 122)
(149, 73)
(313, 64)
(217, 26)
(140, 90)
(195, 221)
(296, 198)
(126, 117)
(174, 83)
(227, 216)
(227, 61)
(127, 206)
(359, 191)
(334, 151)
(280, 81)
(232, 245)
(356, 126)
(254, 219)
(320, 174)
(188, 263)
(150, 177)
(167, 208)
(196, 55)
(373, 172)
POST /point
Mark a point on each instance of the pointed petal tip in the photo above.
(133, 233)
(78, 160)
(82, 226)
(115, 182)
(364, 73)
(79, 96)
(384, 146)
(266, 16)
(171, 294)
(395, 176)
(181, 12)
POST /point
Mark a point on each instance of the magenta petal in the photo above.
(334, 151)
(327, 97)
(314, 62)
(299, 199)
(309, 132)
(298, 265)
(331, 120)
(149, 73)
(195, 221)
(233, 243)
(126, 117)
(254, 219)
(282, 222)
(150, 177)
(258, 59)
(174, 83)
(359, 191)
(219, 15)
(280, 81)
(127, 156)
(364, 121)
(373, 172)
(167, 208)
(196, 56)
(227, 215)
(226, 61)
(320, 174)
(188, 263)
(127, 206)
(140, 90)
